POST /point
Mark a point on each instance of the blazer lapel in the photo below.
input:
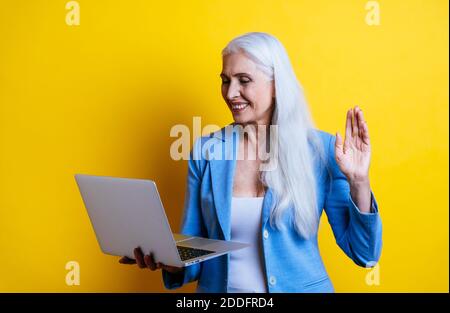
(222, 184)
(222, 175)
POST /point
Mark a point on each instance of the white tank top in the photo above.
(246, 268)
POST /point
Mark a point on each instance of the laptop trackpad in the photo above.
(202, 243)
(218, 246)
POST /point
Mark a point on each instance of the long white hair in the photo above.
(293, 181)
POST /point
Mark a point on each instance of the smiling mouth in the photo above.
(239, 107)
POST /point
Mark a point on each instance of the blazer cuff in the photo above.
(373, 205)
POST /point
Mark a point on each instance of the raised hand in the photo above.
(353, 154)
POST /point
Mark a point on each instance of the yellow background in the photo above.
(101, 98)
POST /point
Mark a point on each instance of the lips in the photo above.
(239, 106)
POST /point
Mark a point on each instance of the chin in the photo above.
(241, 120)
(243, 123)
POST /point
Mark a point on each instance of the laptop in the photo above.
(127, 213)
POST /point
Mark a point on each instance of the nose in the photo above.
(233, 91)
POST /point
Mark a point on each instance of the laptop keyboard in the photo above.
(191, 253)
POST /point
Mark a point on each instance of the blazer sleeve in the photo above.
(192, 221)
(358, 234)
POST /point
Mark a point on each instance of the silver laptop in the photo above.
(128, 213)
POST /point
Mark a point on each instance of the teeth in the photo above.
(239, 106)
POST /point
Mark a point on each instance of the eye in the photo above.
(244, 81)
(225, 82)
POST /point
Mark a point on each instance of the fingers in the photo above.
(139, 258)
(144, 261)
(354, 123)
(359, 120)
(127, 260)
(366, 137)
(363, 130)
(150, 262)
(355, 128)
(338, 142)
(147, 261)
(348, 131)
(348, 125)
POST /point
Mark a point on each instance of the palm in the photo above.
(353, 154)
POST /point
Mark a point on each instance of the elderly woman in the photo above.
(274, 204)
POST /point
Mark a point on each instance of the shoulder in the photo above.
(323, 139)
(324, 152)
(329, 141)
(219, 137)
(325, 136)
(206, 146)
(205, 142)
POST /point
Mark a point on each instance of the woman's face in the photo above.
(247, 91)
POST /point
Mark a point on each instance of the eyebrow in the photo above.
(237, 74)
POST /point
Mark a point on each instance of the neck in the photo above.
(255, 138)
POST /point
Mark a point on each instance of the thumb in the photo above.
(338, 143)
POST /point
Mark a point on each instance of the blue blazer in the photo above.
(292, 264)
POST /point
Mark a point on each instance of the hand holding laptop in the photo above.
(127, 213)
(146, 261)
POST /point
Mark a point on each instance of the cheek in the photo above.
(261, 97)
(250, 94)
